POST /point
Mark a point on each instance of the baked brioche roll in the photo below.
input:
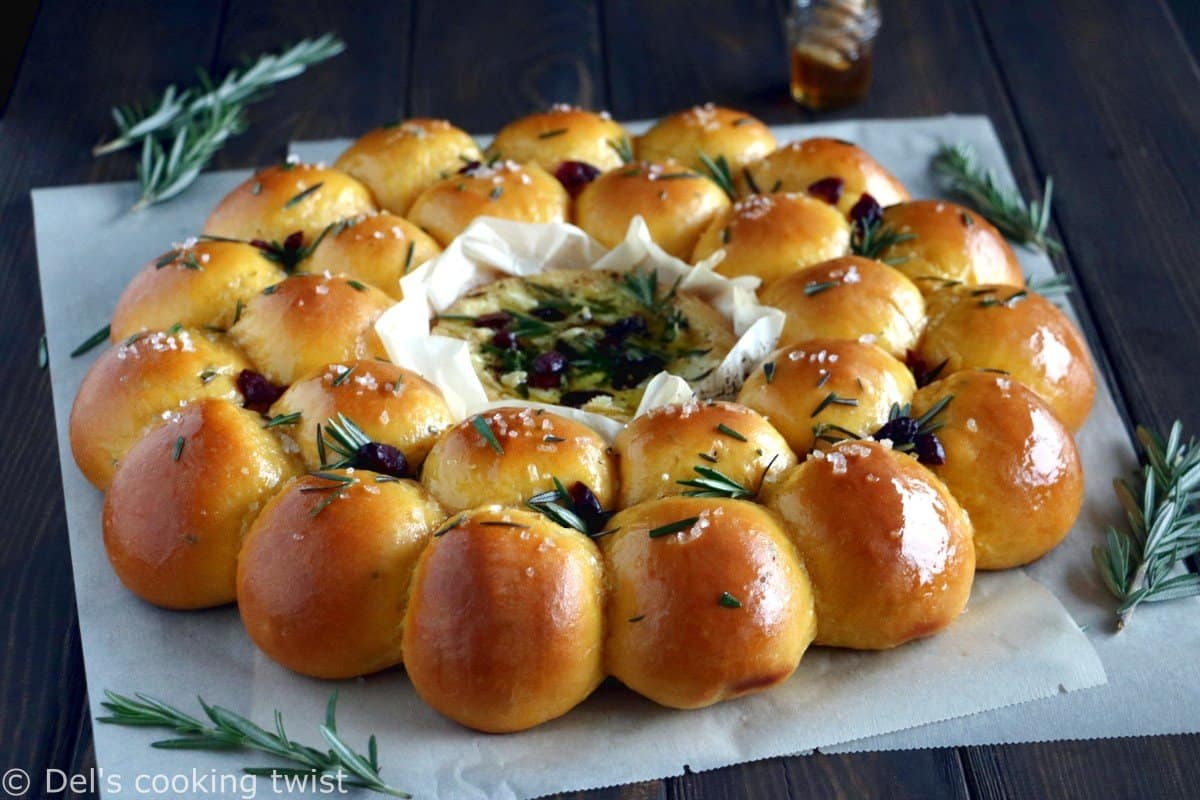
(849, 298)
(389, 404)
(288, 199)
(508, 455)
(709, 129)
(323, 577)
(137, 384)
(837, 172)
(562, 133)
(504, 189)
(663, 449)
(773, 235)
(676, 204)
(1008, 461)
(1019, 332)
(397, 162)
(295, 327)
(182, 499)
(827, 386)
(198, 284)
(379, 250)
(708, 600)
(887, 547)
(505, 621)
(949, 243)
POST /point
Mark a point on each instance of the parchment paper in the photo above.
(1014, 644)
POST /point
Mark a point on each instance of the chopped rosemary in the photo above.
(298, 198)
(816, 287)
(344, 375)
(622, 148)
(177, 450)
(408, 256)
(638, 618)
(672, 527)
(833, 398)
(750, 181)
(552, 134)
(358, 286)
(484, 429)
(769, 371)
(339, 484)
(449, 526)
(283, 419)
(1139, 564)
(495, 192)
(729, 601)
(718, 171)
(93, 341)
(730, 432)
(714, 483)
(229, 730)
(958, 168)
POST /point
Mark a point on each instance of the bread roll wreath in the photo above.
(257, 446)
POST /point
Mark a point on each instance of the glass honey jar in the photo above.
(830, 44)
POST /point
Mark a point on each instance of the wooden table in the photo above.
(1102, 94)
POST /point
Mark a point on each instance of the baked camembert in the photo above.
(584, 338)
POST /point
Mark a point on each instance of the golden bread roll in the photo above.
(505, 189)
(323, 577)
(773, 235)
(686, 441)
(183, 497)
(837, 172)
(137, 384)
(1008, 461)
(398, 162)
(507, 455)
(505, 621)
(887, 547)
(389, 404)
(676, 204)
(379, 250)
(563, 133)
(296, 327)
(827, 386)
(197, 284)
(849, 298)
(1019, 332)
(709, 129)
(708, 600)
(287, 200)
(949, 243)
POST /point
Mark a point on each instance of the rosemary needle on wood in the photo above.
(225, 730)
(1138, 565)
(957, 166)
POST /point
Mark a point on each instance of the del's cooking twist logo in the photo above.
(17, 782)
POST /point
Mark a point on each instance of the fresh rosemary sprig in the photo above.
(344, 438)
(180, 134)
(226, 730)
(714, 483)
(578, 508)
(175, 109)
(1020, 221)
(869, 238)
(1160, 505)
(718, 170)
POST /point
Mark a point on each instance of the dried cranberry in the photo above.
(827, 189)
(930, 450)
(382, 458)
(574, 175)
(866, 211)
(587, 506)
(258, 393)
(920, 369)
(495, 320)
(505, 340)
(545, 380)
(633, 367)
(470, 167)
(581, 397)
(293, 242)
(625, 327)
(548, 314)
(900, 430)
(551, 362)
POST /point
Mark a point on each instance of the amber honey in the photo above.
(824, 78)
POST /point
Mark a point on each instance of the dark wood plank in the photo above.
(1116, 124)
(1160, 767)
(364, 86)
(56, 113)
(18, 24)
(480, 64)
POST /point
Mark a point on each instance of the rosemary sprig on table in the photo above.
(182, 131)
(1160, 505)
(959, 170)
(225, 730)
